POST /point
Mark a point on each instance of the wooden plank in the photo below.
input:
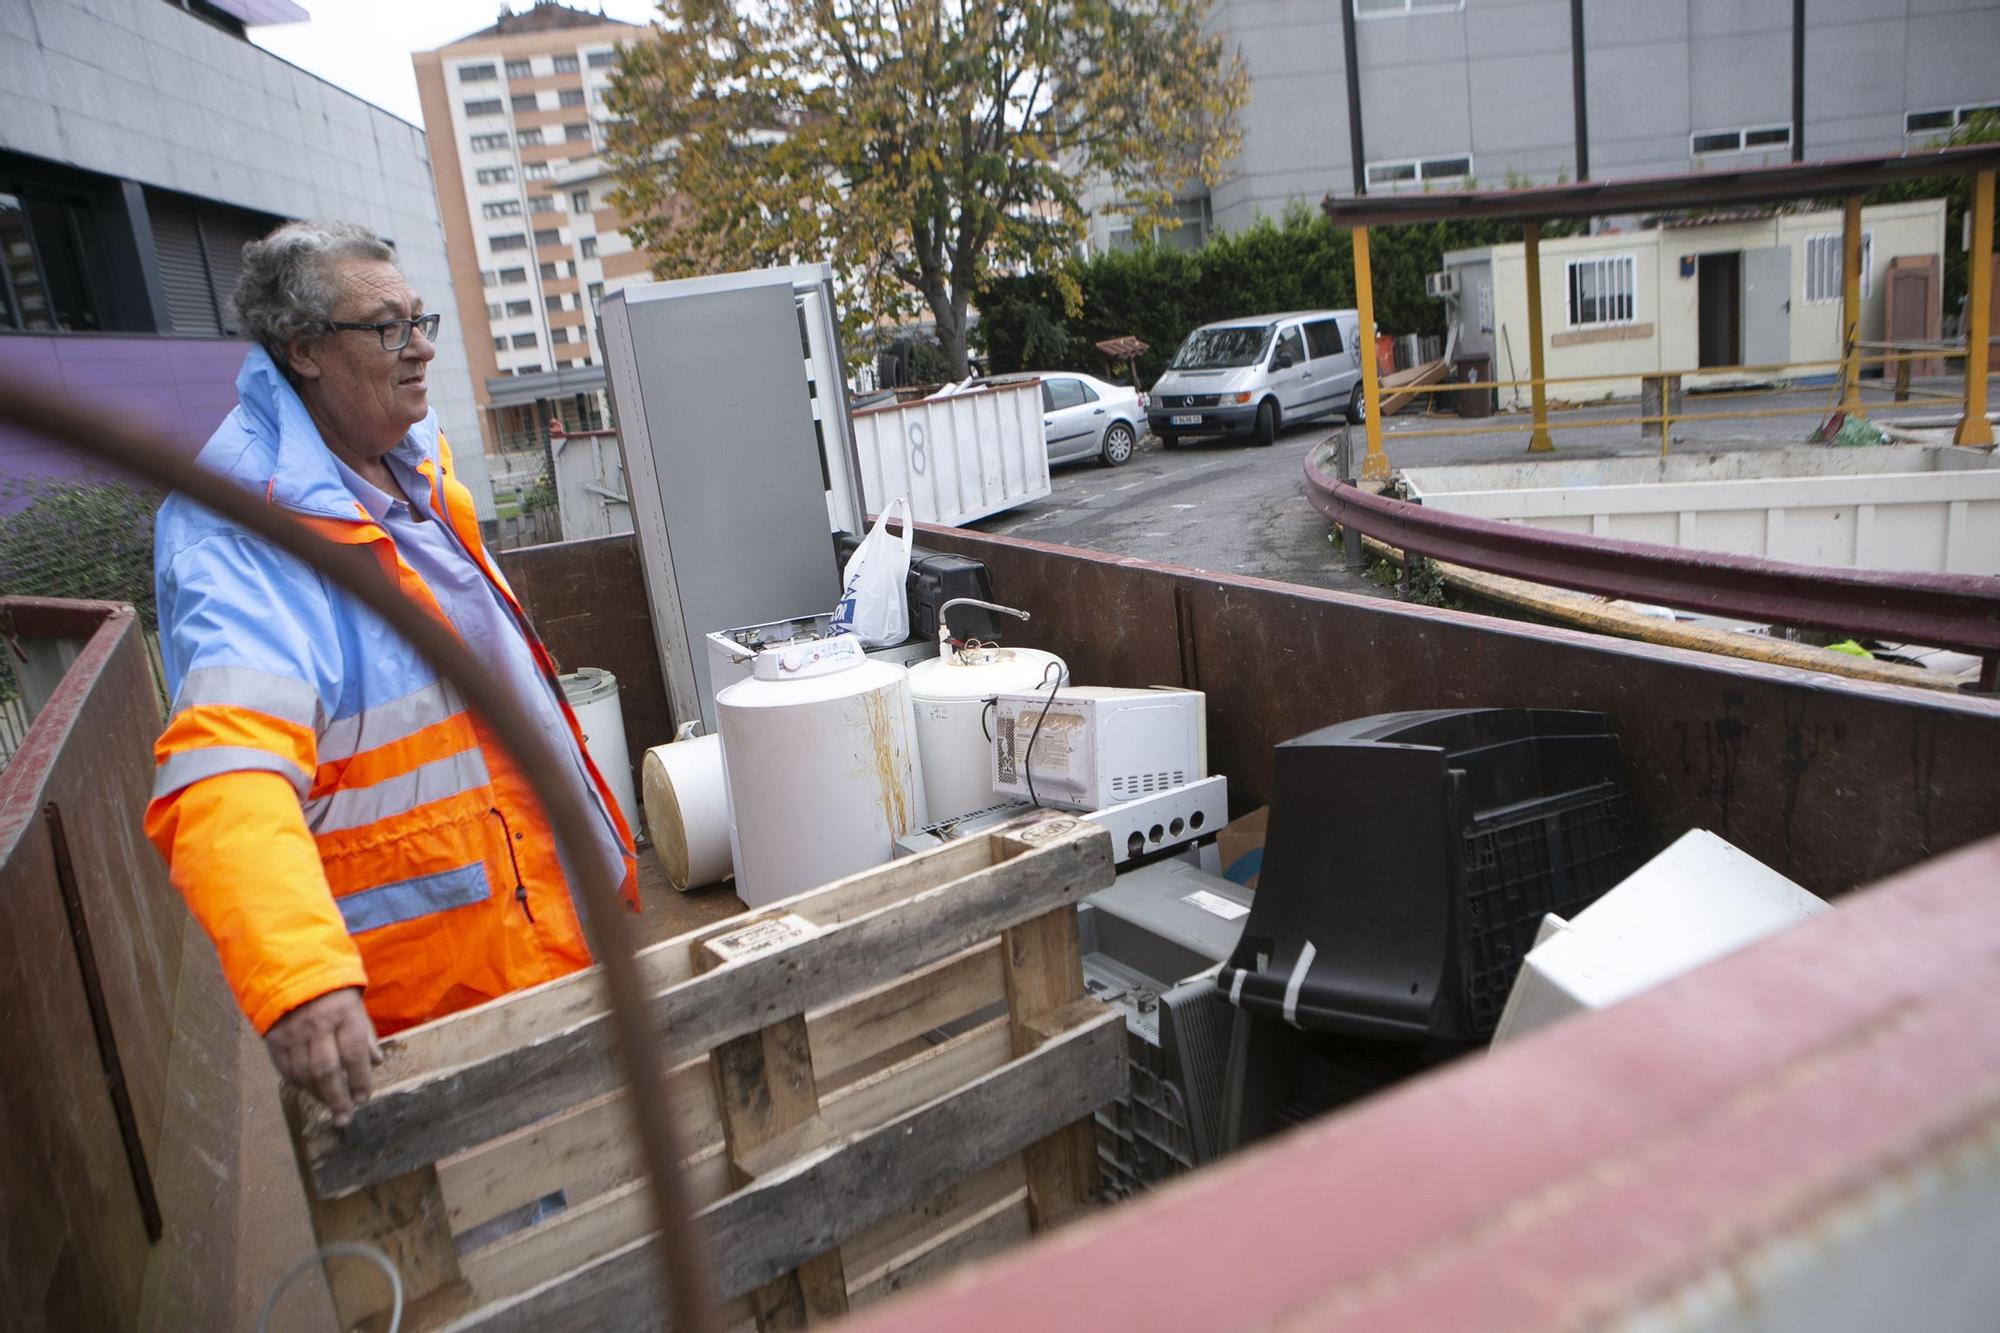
(410, 1124)
(580, 1234)
(1044, 972)
(874, 1255)
(996, 1227)
(528, 1015)
(764, 1088)
(590, 1150)
(885, 1018)
(771, 1225)
(407, 1220)
(584, 1232)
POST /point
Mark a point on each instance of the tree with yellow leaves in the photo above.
(915, 145)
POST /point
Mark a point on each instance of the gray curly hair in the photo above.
(287, 286)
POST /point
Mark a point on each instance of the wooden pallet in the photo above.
(838, 1149)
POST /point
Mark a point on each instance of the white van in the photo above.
(1251, 376)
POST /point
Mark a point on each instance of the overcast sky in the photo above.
(364, 46)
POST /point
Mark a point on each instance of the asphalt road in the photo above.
(1231, 508)
(1234, 508)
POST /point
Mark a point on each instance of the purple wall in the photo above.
(180, 387)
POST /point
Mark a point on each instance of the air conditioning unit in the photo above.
(1442, 284)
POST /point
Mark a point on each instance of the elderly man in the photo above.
(361, 851)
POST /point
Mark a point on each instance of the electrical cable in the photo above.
(348, 1249)
(679, 1246)
(1028, 760)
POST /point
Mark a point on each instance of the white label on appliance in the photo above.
(761, 936)
(1216, 905)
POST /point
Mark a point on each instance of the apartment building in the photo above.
(141, 144)
(516, 115)
(1369, 96)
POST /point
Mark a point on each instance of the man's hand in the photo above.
(327, 1047)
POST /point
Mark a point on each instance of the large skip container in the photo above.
(958, 457)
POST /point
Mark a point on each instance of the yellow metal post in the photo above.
(1538, 439)
(1850, 307)
(1374, 467)
(1974, 428)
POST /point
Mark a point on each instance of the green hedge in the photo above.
(1300, 262)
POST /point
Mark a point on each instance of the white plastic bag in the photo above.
(874, 596)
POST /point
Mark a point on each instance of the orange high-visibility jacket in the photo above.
(330, 810)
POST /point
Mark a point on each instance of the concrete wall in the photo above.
(1664, 332)
(144, 91)
(1492, 78)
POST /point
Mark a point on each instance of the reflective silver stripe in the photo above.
(188, 766)
(347, 736)
(407, 899)
(352, 807)
(282, 697)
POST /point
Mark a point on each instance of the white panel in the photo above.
(956, 458)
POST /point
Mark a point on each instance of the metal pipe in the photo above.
(1798, 80)
(1850, 305)
(1375, 467)
(680, 1247)
(1538, 439)
(1579, 101)
(1354, 146)
(1973, 427)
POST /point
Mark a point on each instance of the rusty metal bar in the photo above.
(1959, 611)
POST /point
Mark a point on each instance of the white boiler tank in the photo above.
(953, 733)
(819, 752)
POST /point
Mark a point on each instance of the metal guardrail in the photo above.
(1960, 611)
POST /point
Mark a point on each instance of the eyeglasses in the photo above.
(394, 333)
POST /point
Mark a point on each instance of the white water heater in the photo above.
(819, 753)
(954, 723)
(592, 694)
(687, 811)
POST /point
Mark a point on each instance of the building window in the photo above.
(579, 201)
(544, 203)
(1739, 141)
(1380, 9)
(500, 344)
(486, 143)
(523, 102)
(530, 137)
(547, 236)
(565, 64)
(494, 309)
(596, 290)
(46, 281)
(487, 107)
(577, 133)
(1602, 290)
(537, 171)
(551, 270)
(495, 175)
(590, 247)
(502, 208)
(510, 241)
(510, 276)
(1823, 277)
(475, 73)
(1420, 169)
(519, 69)
(601, 59)
(520, 307)
(523, 340)
(527, 370)
(570, 97)
(559, 335)
(1944, 119)
(486, 278)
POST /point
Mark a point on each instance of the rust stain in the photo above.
(891, 762)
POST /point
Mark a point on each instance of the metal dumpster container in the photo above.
(957, 456)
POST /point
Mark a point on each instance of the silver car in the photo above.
(1083, 416)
